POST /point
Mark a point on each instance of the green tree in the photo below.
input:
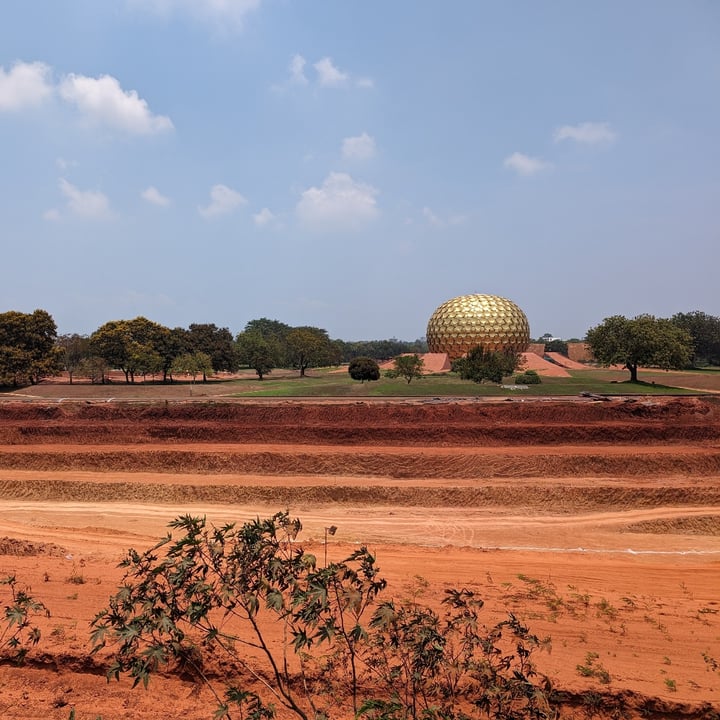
(364, 368)
(275, 333)
(642, 340)
(485, 364)
(217, 343)
(75, 349)
(558, 346)
(408, 367)
(257, 353)
(134, 346)
(28, 350)
(380, 350)
(309, 347)
(705, 332)
(95, 368)
(192, 364)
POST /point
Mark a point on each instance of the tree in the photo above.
(75, 349)
(95, 368)
(28, 350)
(408, 367)
(192, 364)
(309, 347)
(275, 333)
(642, 340)
(134, 346)
(485, 364)
(705, 332)
(380, 349)
(217, 343)
(214, 592)
(558, 346)
(364, 368)
(257, 353)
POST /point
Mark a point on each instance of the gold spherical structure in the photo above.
(460, 324)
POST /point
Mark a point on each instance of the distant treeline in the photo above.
(31, 349)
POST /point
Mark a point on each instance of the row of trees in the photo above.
(30, 349)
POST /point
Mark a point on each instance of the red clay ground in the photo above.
(597, 523)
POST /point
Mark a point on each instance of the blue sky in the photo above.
(352, 165)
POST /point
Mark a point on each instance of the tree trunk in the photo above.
(633, 368)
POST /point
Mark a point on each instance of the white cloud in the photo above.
(588, 133)
(365, 82)
(263, 218)
(25, 85)
(223, 200)
(155, 197)
(328, 74)
(52, 215)
(431, 217)
(340, 204)
(297, 70)
(360, 147)
(103, 101)
(222, 13)
(85, 204)
(437, 221)
(64, 164)
(524, 164)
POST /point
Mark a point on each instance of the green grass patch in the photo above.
(329, 383)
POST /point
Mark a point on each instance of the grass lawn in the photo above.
(334, 383)
(324, 383)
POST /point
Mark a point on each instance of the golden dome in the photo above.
(460, 324)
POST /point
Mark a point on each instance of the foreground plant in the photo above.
(17, 632)
(248, 612)
(450, 667)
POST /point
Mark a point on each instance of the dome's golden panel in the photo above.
(460, 324)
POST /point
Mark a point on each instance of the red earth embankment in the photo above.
(596, 522)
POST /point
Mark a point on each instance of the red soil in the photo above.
(542, 366)
(565, 362)
(597, 523)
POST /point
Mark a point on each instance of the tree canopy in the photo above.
(407, 366)
(364, 368)
(137, 347)
(485, 364)
(258, 352)
(310, 347)
(642, 340)
(705, 332)
(28, 351)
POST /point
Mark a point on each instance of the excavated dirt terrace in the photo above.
(598, 523)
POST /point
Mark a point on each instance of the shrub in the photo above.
(364, 368)
(529, 377)
(212, 592)
(17, 633)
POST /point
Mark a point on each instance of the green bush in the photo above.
(213, 593)
(529, 377)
